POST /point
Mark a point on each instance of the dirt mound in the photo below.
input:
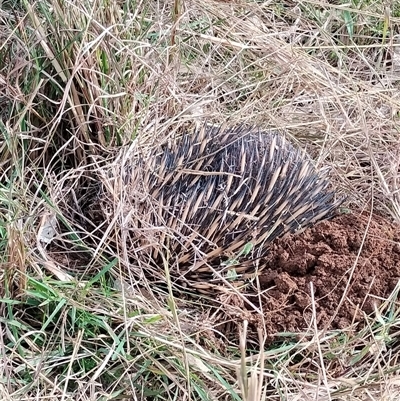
(349, 273)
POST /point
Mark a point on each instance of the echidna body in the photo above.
(210, 194)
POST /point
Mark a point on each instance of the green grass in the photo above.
(79, 81)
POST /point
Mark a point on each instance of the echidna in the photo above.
(197, 204)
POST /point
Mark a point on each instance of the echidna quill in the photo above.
(210, 196)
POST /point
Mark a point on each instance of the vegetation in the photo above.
(80, 81)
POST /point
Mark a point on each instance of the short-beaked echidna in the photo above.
(202, 200)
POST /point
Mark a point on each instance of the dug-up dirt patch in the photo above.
(349, 273)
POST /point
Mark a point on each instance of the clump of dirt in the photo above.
(348, 274)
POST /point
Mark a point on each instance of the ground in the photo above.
(80, 86)
(352, 261)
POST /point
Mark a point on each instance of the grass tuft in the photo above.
(80, 83)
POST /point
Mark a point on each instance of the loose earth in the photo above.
(351, 264)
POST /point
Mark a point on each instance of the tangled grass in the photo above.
(79, 83)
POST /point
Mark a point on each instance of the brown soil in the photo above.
(348, 275)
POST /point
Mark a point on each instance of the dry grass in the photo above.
(79, 81)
